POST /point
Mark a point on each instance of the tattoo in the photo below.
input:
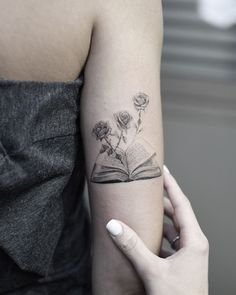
(124, 156)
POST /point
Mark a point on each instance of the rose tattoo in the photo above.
(141, 101)
(103, 131)
(123, 119)
(120, 159)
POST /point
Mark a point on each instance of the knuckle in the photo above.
(202, 244)
(184, 203)
(187, 201)
(129, 243)
(205, 244)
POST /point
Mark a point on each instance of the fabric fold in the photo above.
(38, 147)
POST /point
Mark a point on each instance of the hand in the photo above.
(179, 273)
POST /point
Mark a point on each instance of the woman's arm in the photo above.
(188, 265)
(121, 123)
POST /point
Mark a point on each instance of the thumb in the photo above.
(143, 260)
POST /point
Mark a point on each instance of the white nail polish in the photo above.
(166, 169)
(114, 227)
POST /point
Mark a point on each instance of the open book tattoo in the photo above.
(124, 156)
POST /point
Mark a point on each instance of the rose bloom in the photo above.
(101, 130)
(141, 101)
(123, 119)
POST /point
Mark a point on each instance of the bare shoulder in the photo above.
(125, 32)
(119, 25)
(123, 12)
(45, 40)
(51, 40)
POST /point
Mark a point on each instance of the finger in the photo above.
(132, 247)
(170, 212)
(183, 210)
(169, 232)
(168, 208)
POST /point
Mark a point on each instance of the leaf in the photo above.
(139, 121)
(140, 130)
(103, 148)
(115, 134)
(118, 156)
(118, 125)
(124, 139)
(109, 151)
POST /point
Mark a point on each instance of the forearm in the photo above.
(141, 207)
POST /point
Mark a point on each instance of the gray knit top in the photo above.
(44, 229)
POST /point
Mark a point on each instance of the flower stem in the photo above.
(139, 121)
(121, 134)
(113, 150)
(109, 144)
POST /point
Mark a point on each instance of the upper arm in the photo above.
(124, 61)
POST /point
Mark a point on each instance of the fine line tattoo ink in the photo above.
(124, 155)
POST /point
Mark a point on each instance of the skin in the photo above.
(45, 40)
(184, 271)
(124, 60)
(118, 44)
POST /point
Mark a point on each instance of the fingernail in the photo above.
(166, 169)
(114, 227)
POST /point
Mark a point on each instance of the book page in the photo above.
(108, 168)
(148, 169)
(103, 175)
(137, 154)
